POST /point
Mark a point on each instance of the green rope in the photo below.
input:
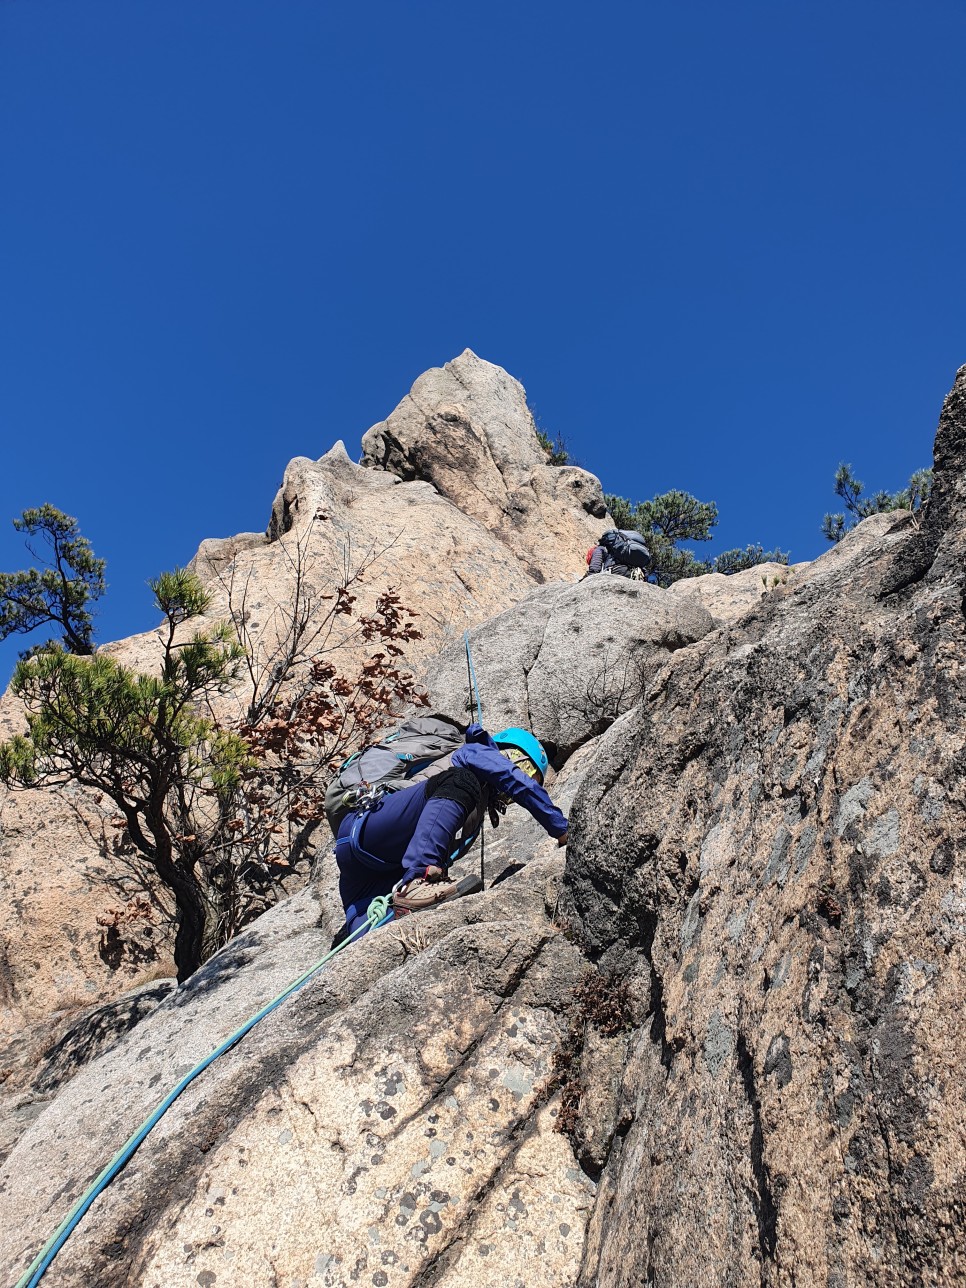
(379, 911)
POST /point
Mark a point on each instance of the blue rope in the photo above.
(379, 913)
(474, 692)
(469, 664)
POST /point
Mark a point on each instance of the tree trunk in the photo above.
(192, 915)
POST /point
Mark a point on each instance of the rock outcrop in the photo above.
(718, 1043)
(466, 428)
(771, 845)
(729, 596)
(566, 661)
(57, 867)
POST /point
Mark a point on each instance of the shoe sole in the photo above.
(465, 886)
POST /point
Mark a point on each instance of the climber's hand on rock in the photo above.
(433, 873)
(562, 840)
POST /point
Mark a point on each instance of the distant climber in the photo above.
(622, 552)
(405, 841)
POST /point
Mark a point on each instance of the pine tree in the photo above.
(59, 592)
(677, 516)
(139, 739)
(219, 812)
(737, 560)
(555, 448)
(912, 497)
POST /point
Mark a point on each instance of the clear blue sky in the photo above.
(720, 244)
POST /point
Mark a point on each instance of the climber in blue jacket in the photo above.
(406, 840)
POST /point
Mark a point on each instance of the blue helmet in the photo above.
(524, 741)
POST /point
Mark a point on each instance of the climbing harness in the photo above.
(379, 913)
(368, 797)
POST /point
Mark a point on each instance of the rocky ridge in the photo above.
(57, 873)
(739, 995)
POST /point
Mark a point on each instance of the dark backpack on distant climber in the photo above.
(627, 547)
(391, 763)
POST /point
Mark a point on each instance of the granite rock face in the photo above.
(566, 661)
(58, 874)
(770, 846)
(44, 1056)
(717, 1041)
(392, 1123)
(466, 428)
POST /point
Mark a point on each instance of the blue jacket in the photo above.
(481, 755)
(406, 831)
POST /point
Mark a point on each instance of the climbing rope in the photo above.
(471, 675)
(378, 914)
(475, 694)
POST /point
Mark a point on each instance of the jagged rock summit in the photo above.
(718, 1042)
(466, 428)
(461, 543)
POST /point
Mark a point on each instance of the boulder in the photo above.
(567, 660)
(727, 596)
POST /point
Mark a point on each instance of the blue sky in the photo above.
(720, 244)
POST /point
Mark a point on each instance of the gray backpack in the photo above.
(627, 547)
(392, 763)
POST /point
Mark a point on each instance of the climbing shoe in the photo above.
(420, 894)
